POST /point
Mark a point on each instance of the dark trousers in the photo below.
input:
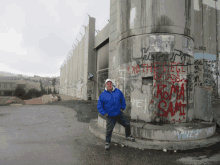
(110, 124)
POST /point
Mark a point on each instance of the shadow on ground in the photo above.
(86, 110)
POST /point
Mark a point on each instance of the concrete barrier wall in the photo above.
(102, 67)
(62, 79)
(102, 57)
(74, 73)
(149, 44)
(113, 33)
(206, 74)
(102, 36)
(126, 20)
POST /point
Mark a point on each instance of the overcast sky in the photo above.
(36, 35)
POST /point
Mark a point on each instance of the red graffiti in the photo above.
(148, 67)
(164, 96)
(136, 69)
(167, 83)
(181, 92)
(159, 90)
(178, 107)
(156, 63)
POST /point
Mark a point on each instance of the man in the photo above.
(111, 103)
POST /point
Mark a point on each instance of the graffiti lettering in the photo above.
(210, 130)
(183, 134)
(139, 103)
(165, 96)
(181, 54)
(198, 62)
(200, 48)
(171, 92)
(178, 107)
(146, 55)
(149, 68)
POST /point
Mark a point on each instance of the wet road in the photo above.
(57, 134)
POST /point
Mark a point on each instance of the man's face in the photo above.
(108, 85)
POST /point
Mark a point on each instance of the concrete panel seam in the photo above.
(113, 13)
(112, 41)
(113, 31)
(142, 29)
(112, 50)
(114, 3)
(151, 33)
(113, 22)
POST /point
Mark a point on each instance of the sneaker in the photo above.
(107, 146)
(130, 138)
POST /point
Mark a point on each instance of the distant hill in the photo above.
(8, 74)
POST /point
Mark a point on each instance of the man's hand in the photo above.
(121, 109)
(106, 115)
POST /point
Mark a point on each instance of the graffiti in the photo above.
(209, 100)
(197, 79)
(133, 88)
(198, 84)
(173, 67)
(190, 82)
(187, 133)
(173, 81)
(210, 73)
(141, 103)
(161, 43)
(170, 93)
(179, 53)
(198, 62)
(127, 95)
(183, 134)
(198, 76)
(209, 82)
(133, 101)
(196, 69)
(200, 48)
(209, 130)
(151, 56)
(164, 95)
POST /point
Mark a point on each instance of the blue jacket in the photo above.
(111, 102)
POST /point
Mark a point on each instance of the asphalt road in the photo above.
(57, 134)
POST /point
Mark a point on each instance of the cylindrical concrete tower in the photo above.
(155, 51)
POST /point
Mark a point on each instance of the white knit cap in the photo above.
(107, 80)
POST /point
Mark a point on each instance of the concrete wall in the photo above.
(102, 57)
(205, 83)
(139, 32)
(146, 39)
(113, 33)
(102, 67)
(92, 61)
(206, 74)
(102, 36)
(74, 74)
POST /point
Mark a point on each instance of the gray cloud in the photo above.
(37, 35)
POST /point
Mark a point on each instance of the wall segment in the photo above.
(156, 46)
(148, 50)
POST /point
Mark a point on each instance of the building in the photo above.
(151, 51)
(9, 84)
(7, 87)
